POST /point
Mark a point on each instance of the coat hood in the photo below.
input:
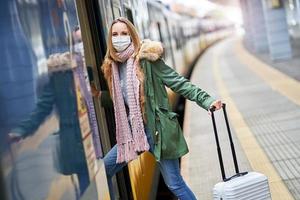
(150, 50)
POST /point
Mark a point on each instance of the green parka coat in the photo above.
(169, 142)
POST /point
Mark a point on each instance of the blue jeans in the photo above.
(168, 168)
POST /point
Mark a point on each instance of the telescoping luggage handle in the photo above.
(231, 145)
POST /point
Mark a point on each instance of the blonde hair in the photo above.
(111, 56)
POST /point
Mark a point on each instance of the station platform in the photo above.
(291, 67)
(263, 105)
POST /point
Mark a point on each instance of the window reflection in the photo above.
(43, 98)
(56, 106)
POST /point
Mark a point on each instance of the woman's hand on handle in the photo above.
(216, 105)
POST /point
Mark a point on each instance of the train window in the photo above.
(154, 32)
(169, 34)
(176, 37)
(159, 32)
(129, 15)
(181, 36)
(143, 30)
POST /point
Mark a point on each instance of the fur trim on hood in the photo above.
(150, 50)
(60, 62)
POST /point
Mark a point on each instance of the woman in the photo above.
(137, 77)
(71, 159)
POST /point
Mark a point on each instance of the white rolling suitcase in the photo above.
(243, 185)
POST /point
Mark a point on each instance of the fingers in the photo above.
(217, 105)
(94, 91)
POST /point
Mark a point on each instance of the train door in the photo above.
(95, 19)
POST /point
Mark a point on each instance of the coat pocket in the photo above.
(170, 132)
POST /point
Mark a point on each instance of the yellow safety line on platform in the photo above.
(280, 82)
(256, 156)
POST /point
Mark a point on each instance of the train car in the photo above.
(53, 134)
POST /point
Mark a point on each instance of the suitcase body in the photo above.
(252, 186)
(241, 186)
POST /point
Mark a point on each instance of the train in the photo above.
(46, 97)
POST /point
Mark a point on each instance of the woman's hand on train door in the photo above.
(217, 105)
(96, 93)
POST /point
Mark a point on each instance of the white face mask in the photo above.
(120, 43)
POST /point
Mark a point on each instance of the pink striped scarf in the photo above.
(131, 137)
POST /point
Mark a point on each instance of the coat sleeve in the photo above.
(181, 85)
(43, 108)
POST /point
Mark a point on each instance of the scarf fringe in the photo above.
(126, 152)
(143, 144)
